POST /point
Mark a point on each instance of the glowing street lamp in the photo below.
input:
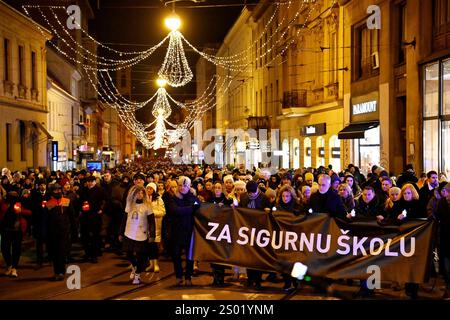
(161, 83)
(173, 22)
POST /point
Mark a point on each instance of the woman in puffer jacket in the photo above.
(159, 211)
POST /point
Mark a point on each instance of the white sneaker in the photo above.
(14, 273)
(8, 271)
(137, 279)
(133, 272)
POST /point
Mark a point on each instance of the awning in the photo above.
(43, 129)
(356, 130)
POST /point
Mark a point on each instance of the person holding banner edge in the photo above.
(254, 199)
(182, 207)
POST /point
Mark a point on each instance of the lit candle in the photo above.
(85, 206)
(18, 207)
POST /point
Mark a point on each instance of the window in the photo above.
(441, 19)
(307, 157)
(272, 109)
(265, 102)
(260, 52)
(335, 153)
(401, 14)
(285, 149)
(33, 70)
(256, 102)
(265, 53)
(23, 145)
(365, 46)
(260, 103)
(333, 59)
(8, 142)
(21, 66)
(367, 150)
(276, 97)
(436, 116)
(6, 55)
(320, 155)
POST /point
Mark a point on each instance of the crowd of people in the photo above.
(145, 209)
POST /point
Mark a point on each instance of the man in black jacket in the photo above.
(325, 200)
(427, 190)
(92, 206)
(61, 227)
(368, 205)
(254, 199)
(39, 198)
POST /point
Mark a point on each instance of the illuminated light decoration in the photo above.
(175, 68)
(84, 54)
(196, 109)
(160, 131)
(173, 22)
(161, 83)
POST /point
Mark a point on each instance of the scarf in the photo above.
(252, 203)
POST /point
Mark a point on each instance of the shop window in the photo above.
(436, 117)
(296, 159)
(307, 157)
(285, 153)
(367, 150)
(320, 155)
(335, 153)
(431, 86)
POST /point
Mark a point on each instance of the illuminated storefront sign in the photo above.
(365, 107)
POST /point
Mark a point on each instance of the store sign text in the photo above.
(365, 107)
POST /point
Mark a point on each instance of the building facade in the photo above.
(235, 104)
(312, 99)
(395, 93)
(24, 138)
(63, 99)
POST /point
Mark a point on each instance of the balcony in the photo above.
(294, 99)
(257, 123)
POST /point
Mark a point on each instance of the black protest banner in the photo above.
(330, 247)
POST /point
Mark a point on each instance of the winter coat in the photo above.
(443, 215)
(61, 228)
(12, 220)
(261, 201)
(159, 211)
(367, 210)
(292, 206)
(181, 212)
(328, 202)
